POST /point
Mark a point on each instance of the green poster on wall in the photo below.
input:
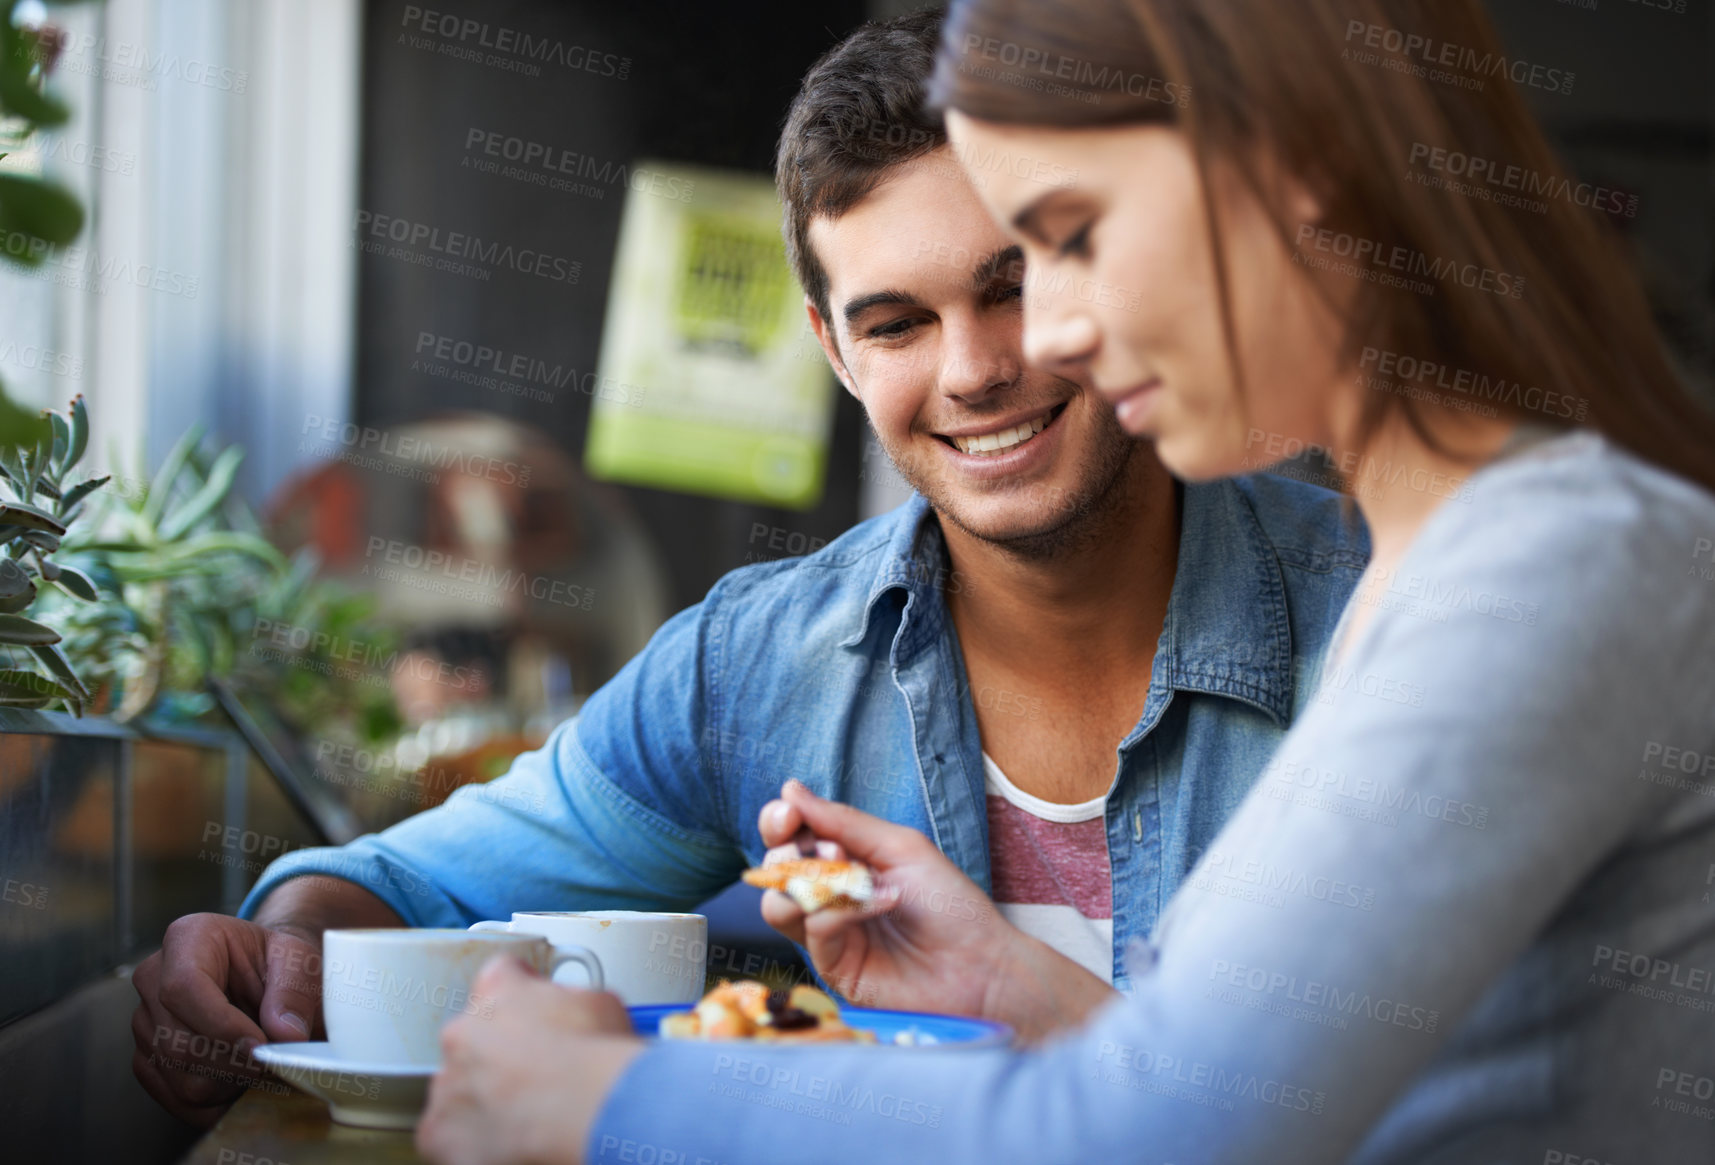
(709, 381)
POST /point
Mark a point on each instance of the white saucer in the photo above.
(358, 1092)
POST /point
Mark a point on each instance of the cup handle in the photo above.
(582, 956)
(492, 925)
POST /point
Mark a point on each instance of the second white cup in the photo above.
(646, 957)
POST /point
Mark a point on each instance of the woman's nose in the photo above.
(1055, 337)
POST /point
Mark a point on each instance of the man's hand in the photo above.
(932, 940)
(217, 987)
(220, 985)
(524, 1078)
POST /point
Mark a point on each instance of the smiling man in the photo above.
(1056, 662)
(1113, 659)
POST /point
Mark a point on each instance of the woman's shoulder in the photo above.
(1578, 495)
(1591, 478)
(1585, 549)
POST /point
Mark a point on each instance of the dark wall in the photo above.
(684, 81)
(1635, 116)
(709, 83)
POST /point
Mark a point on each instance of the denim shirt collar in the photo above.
(914, 564)
(1226, 634)
(1227, 631)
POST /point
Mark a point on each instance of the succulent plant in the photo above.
(172, 563)
(31, 535)
(192, 579)
(36, 453)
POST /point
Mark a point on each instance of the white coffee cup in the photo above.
(648, 957)
(386, 994)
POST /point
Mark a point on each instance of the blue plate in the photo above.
(919, 1029)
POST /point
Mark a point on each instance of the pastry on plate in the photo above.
(748, 1010)
(817, 883)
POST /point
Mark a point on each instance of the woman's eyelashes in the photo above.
(1078, 244)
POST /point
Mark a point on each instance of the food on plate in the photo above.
(748, 1010)
(817, 883)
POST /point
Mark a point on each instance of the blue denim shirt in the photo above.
(843, 669)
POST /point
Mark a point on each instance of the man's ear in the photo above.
(825, 337)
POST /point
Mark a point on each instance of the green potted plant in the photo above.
(36, 214)
(37, 451)
(193, 589)
(32, 534)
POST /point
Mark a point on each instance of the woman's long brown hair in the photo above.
(1352, 97)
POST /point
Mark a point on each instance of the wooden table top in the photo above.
(295, 1127)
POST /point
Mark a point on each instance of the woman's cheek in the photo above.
(1203, 436)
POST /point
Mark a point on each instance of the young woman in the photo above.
(1465, 914)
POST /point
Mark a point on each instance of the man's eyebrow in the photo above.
(986, 273)
(856, 307)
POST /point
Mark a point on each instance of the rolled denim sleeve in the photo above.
(1319, 958)
(616, 811)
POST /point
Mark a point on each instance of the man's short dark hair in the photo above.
(859, 113)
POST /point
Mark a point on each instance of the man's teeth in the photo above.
(1002, 441)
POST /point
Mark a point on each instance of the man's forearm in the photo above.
(310, 904)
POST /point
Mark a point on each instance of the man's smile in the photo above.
(995, 438)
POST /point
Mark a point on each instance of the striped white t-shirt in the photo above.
(1048, 865)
